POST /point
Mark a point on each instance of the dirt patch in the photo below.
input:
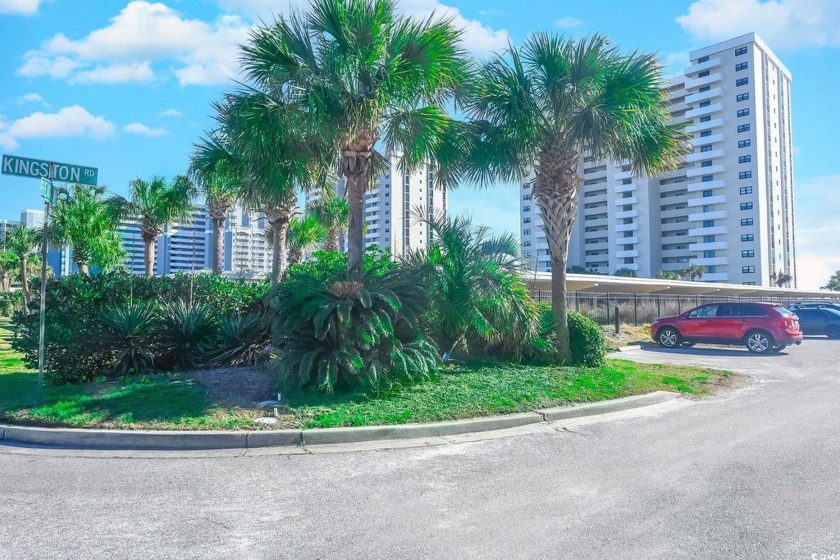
(237, 386)
(627, 335)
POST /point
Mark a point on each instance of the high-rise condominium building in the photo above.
(729, 207)
(395, 204)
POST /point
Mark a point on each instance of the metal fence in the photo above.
(641, 309)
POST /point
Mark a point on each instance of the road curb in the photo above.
(75, 438)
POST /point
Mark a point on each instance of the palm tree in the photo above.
(154, 204)
(667, 275)
(544, 105)
(693, 272)
(8, 265)
(782, 279)
(332, 212)
(24, 243)
(217, 179)
(833, 283)
(364, 75)
(626, 272)
(85, 222)
(304, 234)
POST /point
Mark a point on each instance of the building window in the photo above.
(742, 81)
(526, 243)
(742, 66)
(526, 197)
(526, 186)
(705, 133)
(526, 221)
(708, 239)
(744, 143)
(745, 175)
(746, 221)
(742, 97)
(706, 148)
(708, 254)
(707, 178)
(749, 283)
(746, 206)
(748, 254)
(744, 159)
(743, 128)
(707, 118)
(740, 50)
(703, 74)
(706, 163)
(748, 269)
(707, 193)
(708, 223)
(745, 190)
(702, 59)
(747, 237)
(704, 89)
(526, 232)
(742, 112)
(705, 103)
(526, 208)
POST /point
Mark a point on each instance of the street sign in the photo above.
(35, 168)
(46, 189)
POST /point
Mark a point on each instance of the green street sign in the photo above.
(36, 168)
(46, 189)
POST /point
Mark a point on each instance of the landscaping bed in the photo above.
(226, 398)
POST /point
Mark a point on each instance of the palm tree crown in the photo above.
(24, 243)
(363, 75)
(305, 233)
(217, 178)
(332, 212)
(544, 105)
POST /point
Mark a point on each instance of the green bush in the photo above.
(187, 334)
(331, 266)
(587, 340)
(10, 302)
(128, 331)
(345, 334)
(75, 304)
(243, 341)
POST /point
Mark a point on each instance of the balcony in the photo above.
(703, 216)
(623, 201)
(625, 188)
(712, 246)
(626, 240)
(707, 139)
(703, 201)
(710, 261)
(708, 170)
(621, 175)
(705, 80)
(699, 127)
(699, 156)
(626, 227)
(703, 96)
(626, 214)
(700, 232)
(675, 254)
(673, 213)
(700, 66)
(630, 266)
(715, 277)
(595, 222)
(627, 254)
(703, 111)
(701, 186)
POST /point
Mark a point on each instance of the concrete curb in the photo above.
(197, 440)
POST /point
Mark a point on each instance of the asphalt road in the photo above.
(751, 474)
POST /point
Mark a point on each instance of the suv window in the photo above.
(785, 312)
(811, 314)
(753, 311)
(705, 311)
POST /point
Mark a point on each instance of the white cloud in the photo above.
(171, 113)
(19, 7)
(73, 121)
(141, 34)
(115, 74)
(568, 22)
(143, 130)
(674, 64)
(816, 221)
(31, 98)
(6, 141)
(782, 23)
(490, 12)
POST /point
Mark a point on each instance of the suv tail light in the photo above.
(787, 322)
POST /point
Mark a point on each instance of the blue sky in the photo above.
(126, 86)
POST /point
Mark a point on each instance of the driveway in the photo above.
(750, 474)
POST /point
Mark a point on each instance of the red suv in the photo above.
(761, 327)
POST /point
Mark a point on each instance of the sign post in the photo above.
(47, 171)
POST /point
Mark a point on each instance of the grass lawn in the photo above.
(180, 402)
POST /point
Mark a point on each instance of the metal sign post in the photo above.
(47, 195)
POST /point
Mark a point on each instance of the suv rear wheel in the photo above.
(833, 332)
(759, 342)
(668, 337)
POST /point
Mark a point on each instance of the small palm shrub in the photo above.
(129, 332)
(243, 341)
(346, 334)
(187, 334)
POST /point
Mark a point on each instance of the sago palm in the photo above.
(365, 76)
(24, 243)
(154, 204)
(542, 106)
(331, 211)
(218, 180)
(85, 222)
(305, 233)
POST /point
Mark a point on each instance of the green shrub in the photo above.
(243, 341)
(128, 331)
(587, 340)
(75, 303)
(187, 334)
(331, 266)
(344, 334)
(10, 302)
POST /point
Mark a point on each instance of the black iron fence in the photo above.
(640, 309)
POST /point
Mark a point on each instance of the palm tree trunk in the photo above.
(24, 280)
(331, 243)
(149, 254)
(218, 244)
(355, 231)
(556, 191)
(280, 225)
(84, 270)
